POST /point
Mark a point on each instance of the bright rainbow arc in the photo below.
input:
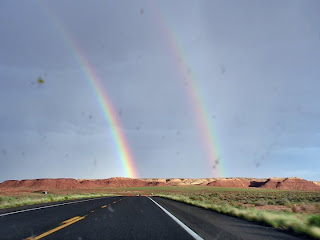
(195, 96)
(109, 114)
(108, 111)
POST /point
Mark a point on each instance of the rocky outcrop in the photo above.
(230, 183)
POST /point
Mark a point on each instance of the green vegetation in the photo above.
(314, 220)
(36, 198)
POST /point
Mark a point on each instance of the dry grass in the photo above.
(31, 199)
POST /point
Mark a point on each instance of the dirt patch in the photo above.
(273, 208)
(306, 208)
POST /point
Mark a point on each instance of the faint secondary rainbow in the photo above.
(104, 101)
(202, 115)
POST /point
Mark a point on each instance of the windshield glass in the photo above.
(156, 119)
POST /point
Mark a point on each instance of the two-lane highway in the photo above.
(129, 218)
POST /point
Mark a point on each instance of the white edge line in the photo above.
(56, 205)
(186, 228)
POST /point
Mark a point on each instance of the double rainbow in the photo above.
(203, 119)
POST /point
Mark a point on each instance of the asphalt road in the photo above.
(129, 218)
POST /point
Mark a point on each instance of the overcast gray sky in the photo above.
(256, 65)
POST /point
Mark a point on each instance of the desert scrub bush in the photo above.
(314, 220)
(260, 203)
(51, 198)
(281, 202)
(196, 197)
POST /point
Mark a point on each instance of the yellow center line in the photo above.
(70, 220)
(64, 224)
